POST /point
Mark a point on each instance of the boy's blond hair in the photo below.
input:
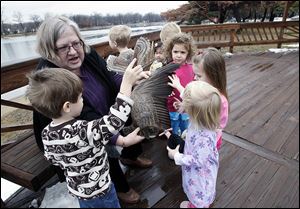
(202, 102)
(120, 34)
(50, 88)
(170, 29)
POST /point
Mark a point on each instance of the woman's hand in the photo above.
(130, 77)
(133, 74)
(143, 75)
(175, 83)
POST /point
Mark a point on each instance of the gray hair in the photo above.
(50, 31)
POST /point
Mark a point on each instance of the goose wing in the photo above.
(156, 89)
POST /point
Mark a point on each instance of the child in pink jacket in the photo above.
(180, 49)
(209, 66)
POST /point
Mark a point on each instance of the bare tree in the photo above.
(48, 15)
(18, 17)
(36, 19)
(98, 19)
(2, 21)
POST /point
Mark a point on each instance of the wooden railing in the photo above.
(221, 35)
(231, 35)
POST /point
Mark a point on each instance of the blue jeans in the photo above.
(109, 200)
(179, 122)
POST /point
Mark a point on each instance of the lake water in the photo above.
(17, 49)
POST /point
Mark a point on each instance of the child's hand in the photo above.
(175, 83)
(177, 104)
(132, 138)
(172, 94)
(166, 132)
(172, 152)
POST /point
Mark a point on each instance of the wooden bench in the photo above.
(23, 163)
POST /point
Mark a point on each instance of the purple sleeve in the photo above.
(117, 78)
(113, 139)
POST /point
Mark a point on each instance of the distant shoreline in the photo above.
(90, 28)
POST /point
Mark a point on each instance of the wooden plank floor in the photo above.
(259, 158)
(25, 165)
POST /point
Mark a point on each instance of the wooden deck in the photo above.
(259, 158)
(25, 165)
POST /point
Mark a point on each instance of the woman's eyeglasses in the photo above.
(66, 49)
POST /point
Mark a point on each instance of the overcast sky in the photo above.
(40, 8)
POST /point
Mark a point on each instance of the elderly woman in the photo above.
(60, 44)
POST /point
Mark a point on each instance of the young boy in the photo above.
(119, 37)
(180, 48)
(77, 146)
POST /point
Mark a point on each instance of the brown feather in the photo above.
(149, 111)
(144, 52)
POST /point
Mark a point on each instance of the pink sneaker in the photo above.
(186, 204)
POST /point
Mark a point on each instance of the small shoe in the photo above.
(139, 162)
(184, 204)
(129, 197)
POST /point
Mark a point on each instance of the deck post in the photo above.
(231, 44)
(285, 14)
